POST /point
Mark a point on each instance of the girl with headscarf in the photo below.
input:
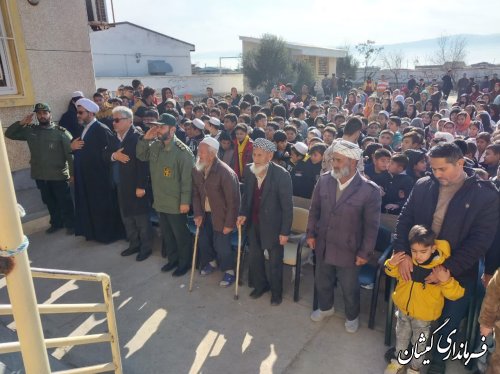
(398, 109)
(386, 105)
(485, 119)
(350, 102)
(475, 93)
(462, 124)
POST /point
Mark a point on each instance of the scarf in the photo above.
(241, 148)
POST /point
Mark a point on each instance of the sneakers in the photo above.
(227, 280)
(319, 315)
(207, 270)
(352, 326)
(394, 367)
(368, 286)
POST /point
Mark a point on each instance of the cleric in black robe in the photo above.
(97, 216)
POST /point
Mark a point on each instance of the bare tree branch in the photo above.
(393, 62)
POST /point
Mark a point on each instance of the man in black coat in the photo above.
(97, 215)
(461, 209)
(130, 176)
(447, 84)
(267, 208)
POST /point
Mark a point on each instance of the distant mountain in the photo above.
(479, 48)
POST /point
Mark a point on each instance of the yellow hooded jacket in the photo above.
(420, 300)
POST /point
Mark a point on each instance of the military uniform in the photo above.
(170, 167)
(51, 167)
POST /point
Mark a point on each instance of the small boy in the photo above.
(419, 303)
(306, 173)
(489, 319)
(377, 171)
(398, 186)
(394, 125)
(243, 148)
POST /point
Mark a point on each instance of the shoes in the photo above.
(255, 294)
(276, 300)
(180, 271)
(394, 367)
(142, 256)
(368, 286)
(129, 251)
(70, 231)
(53, 229)
(227, 280)
(319, 315)
(352, 326)
(207, 270)
(169, 266)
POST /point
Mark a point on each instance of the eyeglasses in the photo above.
(116, 120)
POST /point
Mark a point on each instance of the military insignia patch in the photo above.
(167, 172)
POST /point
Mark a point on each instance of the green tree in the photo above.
(302, 73)
(348, 64)
(369, 53)
(268, 64)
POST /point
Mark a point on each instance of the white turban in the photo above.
(89, 105)
(348, 149)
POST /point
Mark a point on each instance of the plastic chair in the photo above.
(293, 251)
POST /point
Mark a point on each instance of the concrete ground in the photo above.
(165, 329)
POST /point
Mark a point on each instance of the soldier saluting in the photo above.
(51, 163)
(170, 164)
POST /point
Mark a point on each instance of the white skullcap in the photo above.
(315, 131)
(348, 149)
(300, 147)
(444, 135)
(89, 105)
(198, 123)
(211, 142)
(214, 121)
(77, 94)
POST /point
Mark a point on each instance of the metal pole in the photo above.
(113, 11)
(19, 281)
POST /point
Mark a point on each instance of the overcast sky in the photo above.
(214, 26)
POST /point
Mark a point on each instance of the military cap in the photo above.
(42, 106)
(165, 120)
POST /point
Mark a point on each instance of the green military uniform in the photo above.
(170, 167)
(51, 165)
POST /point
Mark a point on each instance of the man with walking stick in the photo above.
(216, 202)
(170, 164)
(267, 208)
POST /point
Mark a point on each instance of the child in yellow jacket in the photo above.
(418, 303)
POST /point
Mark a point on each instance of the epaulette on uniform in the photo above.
(60, 128)
(181, 145)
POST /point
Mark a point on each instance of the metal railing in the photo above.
(107, 307)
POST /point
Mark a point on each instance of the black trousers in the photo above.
(176, 238)
(57, 196)
(257, 268)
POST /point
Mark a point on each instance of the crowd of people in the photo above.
(236, 161)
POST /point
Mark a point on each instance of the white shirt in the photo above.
(87, 127)
(346, 184)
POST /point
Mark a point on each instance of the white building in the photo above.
(129, 50)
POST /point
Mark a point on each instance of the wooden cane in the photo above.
(238, 265)
(193, 265)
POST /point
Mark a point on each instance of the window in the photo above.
(15, 80)
(323, 66)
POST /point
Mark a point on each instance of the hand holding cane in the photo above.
(193, 265)
(238, 264)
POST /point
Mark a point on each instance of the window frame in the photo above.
(14, 54)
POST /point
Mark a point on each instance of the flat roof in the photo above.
(304, 49)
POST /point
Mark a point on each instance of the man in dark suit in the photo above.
(342, 229)
(97, 215)
(130, 177)
(267, 208)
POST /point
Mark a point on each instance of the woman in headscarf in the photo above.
(462, 124)
(475, 93)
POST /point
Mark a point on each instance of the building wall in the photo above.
(194, 85)
(60, 62)
(114, 52)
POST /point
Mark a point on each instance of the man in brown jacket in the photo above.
(489, 320)
(342, 229)
(216, 202)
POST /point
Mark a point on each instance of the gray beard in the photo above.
(258, 170)
(200, 166)
(344, 172)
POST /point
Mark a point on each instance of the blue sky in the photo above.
(214, 26)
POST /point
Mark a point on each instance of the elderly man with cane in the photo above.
(216, 202)
(267, 208)
(342, 229)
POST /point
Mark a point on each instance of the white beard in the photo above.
(258, 170)
(200, 166)
(344, 172)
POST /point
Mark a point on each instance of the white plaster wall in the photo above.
(114, 52)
